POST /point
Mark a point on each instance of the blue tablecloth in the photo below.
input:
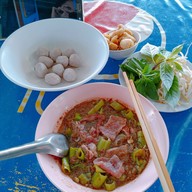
(20, 109)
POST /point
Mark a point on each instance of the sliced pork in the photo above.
(89, 150)
(113, 165)
(121, 151)
(113, 126)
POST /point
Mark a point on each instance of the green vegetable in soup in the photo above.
(97, 107)
(98, 179)
(98, 169)
(80, 154)
(141, 166)
(103, 144)
(137, 155)
(77, 165)
(77, 117)
(68, 132)
(117, 106)
(83, 179)
(141, 139)
(127, 113)
(72, 152)
(110, 186)
(76, 152)
(65, 164)
(123, 177)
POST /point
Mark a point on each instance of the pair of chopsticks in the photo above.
(151, 142)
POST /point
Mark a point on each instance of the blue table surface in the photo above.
(18, 124)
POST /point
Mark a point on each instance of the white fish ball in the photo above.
(54, 53)
(74, 60)
(52, 79)
(69, 75)
(40, 70)
(43, 51)
(68, 52)
(126, 43)
(46, 60)
(63, 60)
(58, 69)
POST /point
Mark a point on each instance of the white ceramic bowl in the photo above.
(49, 118)
(122, 54)
(17, 56)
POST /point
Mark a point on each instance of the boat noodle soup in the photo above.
(107, 145)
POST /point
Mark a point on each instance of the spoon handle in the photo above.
(33, 147)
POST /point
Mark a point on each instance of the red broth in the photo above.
(107, 146)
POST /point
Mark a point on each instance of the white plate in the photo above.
(72, 97)
(160, 106)
(17, 54)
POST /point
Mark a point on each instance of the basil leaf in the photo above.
(154, 76)
(128, 68)
(147, 88)
(143, 63)
(132, 65)
(149, 50)
(138, 63)
(139, 84)
(166, 75)
(159, 58)
(176, 51)
(173, 95)
(178, 66)
(147, 69)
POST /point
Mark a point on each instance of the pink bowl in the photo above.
(68, 99)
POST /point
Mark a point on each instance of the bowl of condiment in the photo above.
(122, 42)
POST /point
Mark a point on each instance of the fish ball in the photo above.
(43, 51)
(74, 60)
(40, 70)
(46, 60)
(68, 52)
(63, 60)
(126, 43)
(54, 53)
(52, 79)
(58, 69)
(69, 75)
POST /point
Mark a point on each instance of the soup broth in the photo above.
(107, 145)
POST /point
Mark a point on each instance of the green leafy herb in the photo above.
(173, 95)
(155, 66)
(147, 88)
(150, 51)
(178, 66)
(175, 52)
(167, 75)
(158, 58)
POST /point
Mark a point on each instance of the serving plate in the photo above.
(70, 98)
(162, 107)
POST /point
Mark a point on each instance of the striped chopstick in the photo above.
(162, 171)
